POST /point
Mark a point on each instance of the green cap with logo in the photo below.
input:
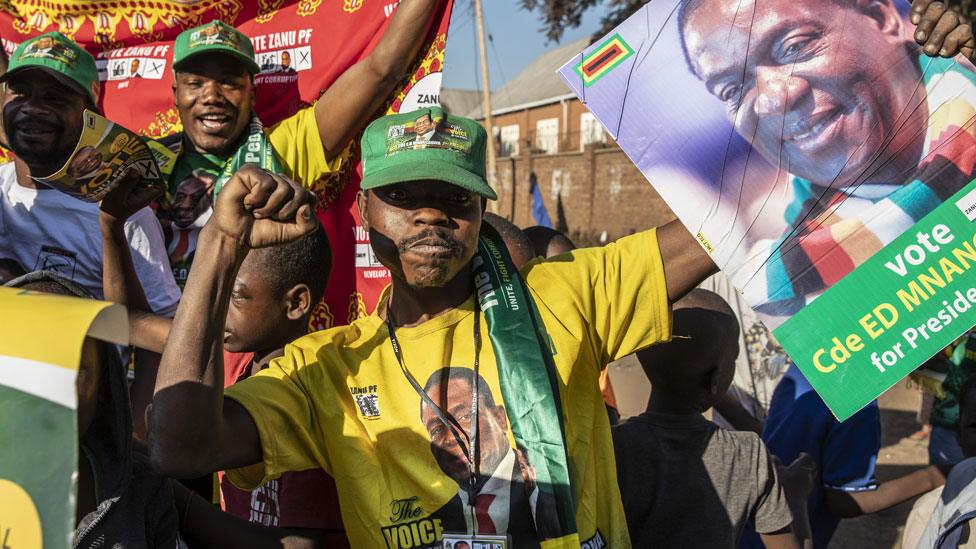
(212, 37)
(425, 144)
(61, 57)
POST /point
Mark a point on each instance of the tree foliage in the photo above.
(559, 15)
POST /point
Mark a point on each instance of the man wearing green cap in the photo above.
(214, 93)
(46, 89)
(512, 355)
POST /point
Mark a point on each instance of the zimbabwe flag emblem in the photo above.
(603, 59)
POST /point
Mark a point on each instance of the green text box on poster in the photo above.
(892, 313)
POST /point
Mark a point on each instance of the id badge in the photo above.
(464, 540)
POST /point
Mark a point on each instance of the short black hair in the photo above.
(519, 246)
(307, 260)
(449, 373)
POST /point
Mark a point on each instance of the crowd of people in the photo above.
(467, 410)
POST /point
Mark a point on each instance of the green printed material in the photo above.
(38, 401)
(892, 313)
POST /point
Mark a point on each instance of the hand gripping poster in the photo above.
(39, 402)
(823, 161)
(301, 47)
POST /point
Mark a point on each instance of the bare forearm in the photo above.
(888, 494)
(119, 279)
(686, 264)
(188, 401)
(349, 104)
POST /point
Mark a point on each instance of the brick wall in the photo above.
(599, 190)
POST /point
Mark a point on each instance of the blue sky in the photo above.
(517, 42)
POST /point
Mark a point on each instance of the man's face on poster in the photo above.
(285, 60)
(190, 201)
(817, 86)
(134, 66)
(86, 161)
(454, 398)
(423, 125)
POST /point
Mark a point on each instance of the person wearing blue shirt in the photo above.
(846, 454)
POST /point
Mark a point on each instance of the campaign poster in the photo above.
(38, 403)
(106, 152)
(301, 46)
(823, 161)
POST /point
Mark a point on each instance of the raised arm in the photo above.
(193, 430)
(352, 100)
(120, 283)
(686, 264)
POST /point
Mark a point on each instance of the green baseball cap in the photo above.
(425, 144)
(214, 36)
(61, 57)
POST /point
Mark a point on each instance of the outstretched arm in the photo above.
(686, 264)
(351, 101)
(193, 430)
(854, 504)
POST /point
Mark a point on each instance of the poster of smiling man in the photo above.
(823, 161)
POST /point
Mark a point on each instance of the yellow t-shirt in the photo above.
(297, 143)
(339, 400)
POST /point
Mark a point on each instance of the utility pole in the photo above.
(485, 92)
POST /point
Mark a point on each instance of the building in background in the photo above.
(591, 189)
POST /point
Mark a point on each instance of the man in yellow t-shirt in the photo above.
(214, 92)
(406, 408)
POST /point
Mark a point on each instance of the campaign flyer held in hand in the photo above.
(105, 153)
(823, 161)
(38, 404)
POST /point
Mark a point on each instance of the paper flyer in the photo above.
(39, 357)
(104, 154)
(823, 161)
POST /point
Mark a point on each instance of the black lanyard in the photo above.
(449, 421)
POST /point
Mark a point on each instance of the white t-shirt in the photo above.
(47, 229)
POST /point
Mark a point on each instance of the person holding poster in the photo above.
(214, 94)
(349, 399)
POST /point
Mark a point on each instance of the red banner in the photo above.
(302, 46)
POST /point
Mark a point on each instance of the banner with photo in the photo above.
(302, 46)
(823, 161)
(38, 403)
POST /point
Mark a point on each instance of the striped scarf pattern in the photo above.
(830, 236)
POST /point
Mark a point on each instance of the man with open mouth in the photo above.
(870, 133)
(214, 93)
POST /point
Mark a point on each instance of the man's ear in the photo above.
(362, 199)
(884, 14)
(298, 302)
(501, 416)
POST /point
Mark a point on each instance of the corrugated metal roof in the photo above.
(458, 101)
(537, 83)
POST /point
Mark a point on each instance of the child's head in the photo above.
(967, 417)
(275, 291)
(698, 364)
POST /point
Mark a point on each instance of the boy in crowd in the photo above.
(674, 466)
(274, 293)
(120, 501)
(846, 454)
(954, 518)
